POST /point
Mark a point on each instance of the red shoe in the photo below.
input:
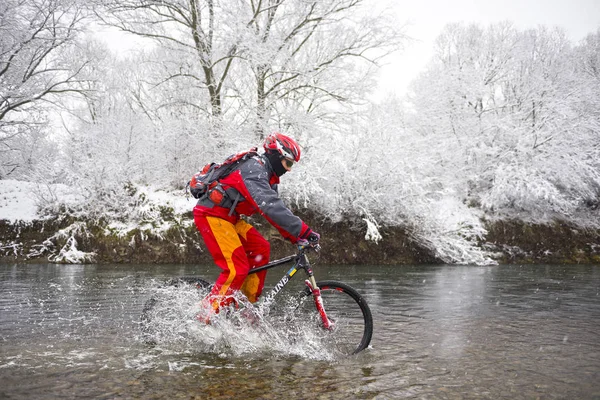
(203, 318)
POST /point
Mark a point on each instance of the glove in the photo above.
(313, 237)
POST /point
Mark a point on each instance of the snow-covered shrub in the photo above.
(69, 253)
(452, 231)
(527, 193)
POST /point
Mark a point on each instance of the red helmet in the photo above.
(285, 145)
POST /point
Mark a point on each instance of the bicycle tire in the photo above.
(347, 309)
(151, 315)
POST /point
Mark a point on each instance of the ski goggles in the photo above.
(288, 163)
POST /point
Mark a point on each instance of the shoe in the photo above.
(205, 315)
(204, 318)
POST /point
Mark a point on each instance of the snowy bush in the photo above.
(69, 254)
(452, 231)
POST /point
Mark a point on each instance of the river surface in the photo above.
(441, 332)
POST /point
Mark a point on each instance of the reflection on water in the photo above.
(440, 332)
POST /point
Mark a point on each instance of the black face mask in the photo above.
(275, 160)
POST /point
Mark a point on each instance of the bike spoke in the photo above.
(352, 323)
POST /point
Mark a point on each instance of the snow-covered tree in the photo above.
(253, 60)
(503, 111)
(304, 55)
(33, 73)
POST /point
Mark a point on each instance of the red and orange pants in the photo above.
(236, 248)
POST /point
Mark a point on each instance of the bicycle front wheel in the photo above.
(352, 321)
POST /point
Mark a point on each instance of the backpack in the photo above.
(210, 174)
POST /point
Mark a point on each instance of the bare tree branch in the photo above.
(34, 72)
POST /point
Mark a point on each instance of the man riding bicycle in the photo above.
(236, 246)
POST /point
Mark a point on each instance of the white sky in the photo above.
(428, 17)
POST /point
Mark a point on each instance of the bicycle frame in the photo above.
(300, 262)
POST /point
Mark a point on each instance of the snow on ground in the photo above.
(176, 199)
(18, 200)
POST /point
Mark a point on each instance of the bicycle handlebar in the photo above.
(309, 246)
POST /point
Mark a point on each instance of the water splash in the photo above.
(170, 323)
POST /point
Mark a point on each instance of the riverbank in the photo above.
(66, 239)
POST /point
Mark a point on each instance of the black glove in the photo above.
(310, 237)
(313, 237)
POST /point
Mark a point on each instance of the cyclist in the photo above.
(235, 245)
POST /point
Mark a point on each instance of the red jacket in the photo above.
(254, 185)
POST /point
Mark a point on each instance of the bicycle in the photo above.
(330, 310)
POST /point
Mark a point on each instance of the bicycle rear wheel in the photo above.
(346, 309)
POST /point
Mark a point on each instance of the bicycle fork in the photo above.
(316, 292)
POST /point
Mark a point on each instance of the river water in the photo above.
(441, 332)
